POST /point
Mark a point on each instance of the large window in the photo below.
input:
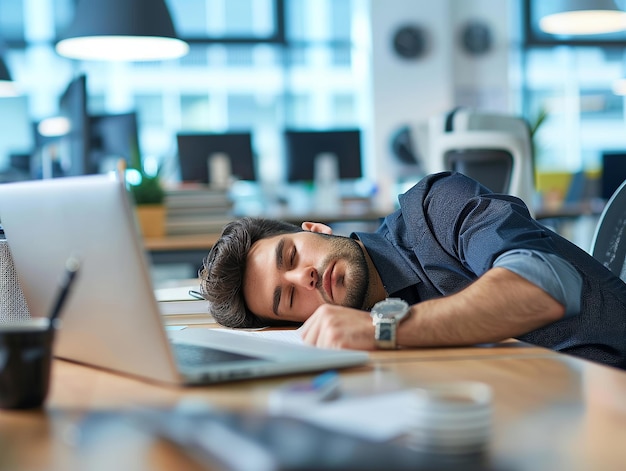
(572, 79)
(262, 65)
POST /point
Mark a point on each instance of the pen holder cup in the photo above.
(25, 360)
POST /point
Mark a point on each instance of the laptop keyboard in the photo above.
(195, 355)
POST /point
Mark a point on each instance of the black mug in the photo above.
(25, 360)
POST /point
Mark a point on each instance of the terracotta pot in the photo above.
(151, 219)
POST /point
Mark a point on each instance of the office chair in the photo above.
(608, 244)
(494, 149)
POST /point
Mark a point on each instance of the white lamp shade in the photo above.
(8, 89)
(619, 87)
(121, 30)
(580, 17)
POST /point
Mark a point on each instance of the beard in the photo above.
(356, 276)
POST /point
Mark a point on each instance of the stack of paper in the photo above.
(197, 209)
(179, 307)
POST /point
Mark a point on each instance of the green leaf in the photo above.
(149, 191)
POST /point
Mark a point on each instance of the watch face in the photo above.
(390, 307)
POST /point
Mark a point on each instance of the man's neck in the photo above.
(375, 289)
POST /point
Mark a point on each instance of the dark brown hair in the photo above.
(222, 274)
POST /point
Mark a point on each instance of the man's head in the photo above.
(264, 272)
(222, 274)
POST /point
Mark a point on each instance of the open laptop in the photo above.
(112, 319)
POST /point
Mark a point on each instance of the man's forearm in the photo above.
(499, 305)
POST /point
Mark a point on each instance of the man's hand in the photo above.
(332, 326)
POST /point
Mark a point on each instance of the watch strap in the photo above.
(385, 333)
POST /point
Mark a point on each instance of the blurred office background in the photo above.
(373, 65)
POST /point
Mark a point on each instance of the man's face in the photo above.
(289, 276)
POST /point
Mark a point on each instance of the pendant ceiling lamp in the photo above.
(7, 86)
(619, 87)
(121, 30)
(581, 17)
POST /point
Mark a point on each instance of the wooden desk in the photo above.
(505, 349)
(181, 242)
(552, 412)
(192, 248)
(571, 210)
(189, 250)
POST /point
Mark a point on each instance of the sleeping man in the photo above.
(462, 266)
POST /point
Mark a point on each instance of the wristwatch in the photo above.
(386, 315)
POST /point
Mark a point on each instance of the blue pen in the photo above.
(327, 385)
(303, 394)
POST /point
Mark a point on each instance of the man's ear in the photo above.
(316, 227)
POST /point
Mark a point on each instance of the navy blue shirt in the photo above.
(448, 232)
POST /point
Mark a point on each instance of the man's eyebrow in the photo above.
(280, 247)
(279, 265)
(276, 302)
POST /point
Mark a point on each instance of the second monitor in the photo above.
(303, 148)
(114, 137)
(201, 155)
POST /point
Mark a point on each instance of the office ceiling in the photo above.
(24, 22)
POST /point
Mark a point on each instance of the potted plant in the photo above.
(149, 196)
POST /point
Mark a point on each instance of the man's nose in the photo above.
(305, 277)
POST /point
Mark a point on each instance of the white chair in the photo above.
(494, 149)
(609, 240)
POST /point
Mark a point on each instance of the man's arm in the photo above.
(499, 305)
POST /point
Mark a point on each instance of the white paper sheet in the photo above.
(285, 335)
(380, 417)
(177, 293)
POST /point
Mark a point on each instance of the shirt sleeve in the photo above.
(468, 224)
(549, 272)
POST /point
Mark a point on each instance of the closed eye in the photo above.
(292, 257)
(292, 264)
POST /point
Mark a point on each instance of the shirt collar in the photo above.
(394, 270)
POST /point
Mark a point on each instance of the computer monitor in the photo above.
(113, 137)
(195, 152)
(303, 147)
(75, 145)
(492, 168)
(613, 173)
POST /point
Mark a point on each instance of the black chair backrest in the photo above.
(609, 241)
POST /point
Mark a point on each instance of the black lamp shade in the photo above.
(120, 18)
(100, 26)
(7, 86)
(5, 75)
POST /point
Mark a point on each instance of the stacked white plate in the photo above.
(452, 419)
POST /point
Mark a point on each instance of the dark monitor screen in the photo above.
(302, 148)
(195, 150)
(114, 137)
(73, 106)
(492, 168)
(613, 173)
